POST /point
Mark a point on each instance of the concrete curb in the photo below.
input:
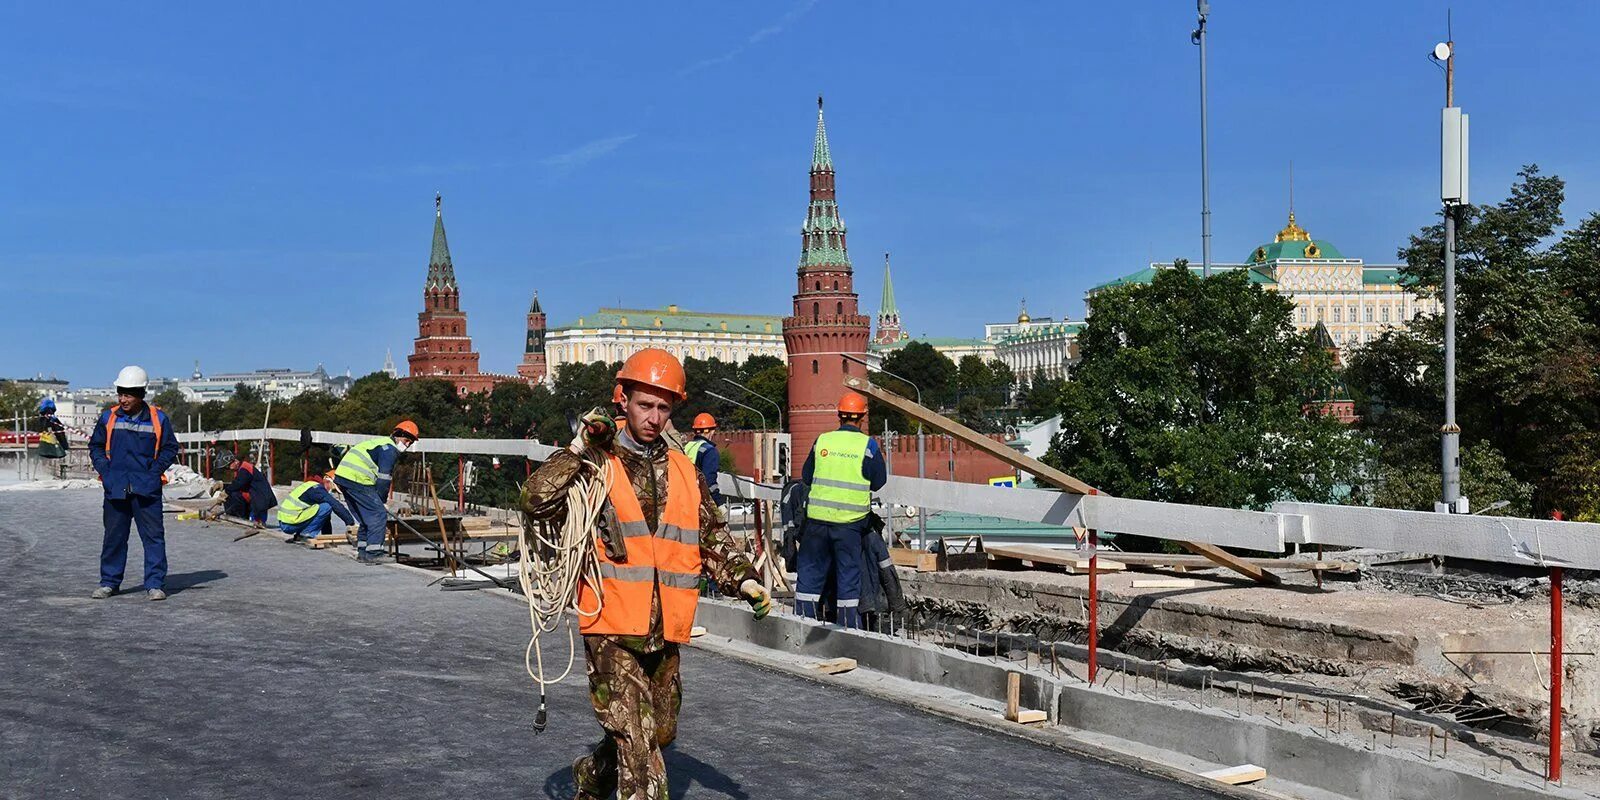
(1295, 756)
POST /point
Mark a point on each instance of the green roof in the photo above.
(886, 306)
(821, 159)
(1148, 274)
(1294, 249)
(951, 523)
(440, 271)
(932, 341)
(677, 320)
(1380, 276)
(1041, 331)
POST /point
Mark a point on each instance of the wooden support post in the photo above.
(1094, 603)
(1013, 695)
(1039, 469)
(1556, 673)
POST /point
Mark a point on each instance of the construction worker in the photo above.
(305, 512)
(842, 471)
(364, 475)
(250, 493)
(659, 531)
(703, 453)
(131, 447)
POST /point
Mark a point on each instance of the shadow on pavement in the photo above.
(182, 581)
(683, 771)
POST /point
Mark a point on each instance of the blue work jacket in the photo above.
(132, 465)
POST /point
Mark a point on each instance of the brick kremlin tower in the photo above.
(888, 313)
(826, 323)
(533, 364)
(442, 348)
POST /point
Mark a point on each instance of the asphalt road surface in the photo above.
(274, 671)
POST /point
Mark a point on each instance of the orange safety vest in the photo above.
(155, 423)
(667, 561)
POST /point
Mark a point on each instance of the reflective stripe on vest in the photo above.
(357, 465)
(115, 423)
(664, 563)
(838, 492)
(294, 509)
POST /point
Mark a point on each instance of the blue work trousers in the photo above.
(367, 505)
(120, 516)
(310, 527)
(836, 550)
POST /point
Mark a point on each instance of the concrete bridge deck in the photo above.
(273, 671)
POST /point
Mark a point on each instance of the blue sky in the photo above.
(253, 185)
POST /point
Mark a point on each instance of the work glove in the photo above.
(756, 595)
(596, 430)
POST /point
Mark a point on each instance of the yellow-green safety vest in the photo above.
(294, 509)
(839, 493)
(357, 465)
(692, 450)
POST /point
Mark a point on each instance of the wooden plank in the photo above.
(1013, 695)
(834, 666)
(696, 631)
(1038, 469)
(1163, 583)
(1233, 776)
(944, 424)
(904, 556)
(1030, 716)
(1073, 561)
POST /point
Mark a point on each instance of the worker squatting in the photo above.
(660, 532)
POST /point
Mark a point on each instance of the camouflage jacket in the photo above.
(544, 499)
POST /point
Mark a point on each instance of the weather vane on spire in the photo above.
(438, 202)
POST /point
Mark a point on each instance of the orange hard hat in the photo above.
(654, 367)
(852, 403)
(408, 428)
(616, 394)
(704, 422)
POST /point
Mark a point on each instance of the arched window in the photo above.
(845, 362)
(836, 286)
(819, 286)
(813, 366)
(816, 310)
(589, 353)
(838, 308)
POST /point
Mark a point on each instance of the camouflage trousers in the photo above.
(636, 697)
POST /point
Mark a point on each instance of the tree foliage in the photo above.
(1528, 352)
(1195, 390)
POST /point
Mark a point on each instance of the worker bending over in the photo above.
(842, 471)
(131, 447)
(249, 493)
(703, 453)
(657, 533)
(306, 510)
(365, 475)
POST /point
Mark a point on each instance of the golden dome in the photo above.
(1023, 318)
(1292, 232)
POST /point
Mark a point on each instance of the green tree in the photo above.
(1528, 346)
(1195, 391)
(1484, 478)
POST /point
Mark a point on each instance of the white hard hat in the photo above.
(132, 377)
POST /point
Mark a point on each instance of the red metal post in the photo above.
(461, 483)
(1556, 670)
(272, 458)
(1094, 602)
(305, 468)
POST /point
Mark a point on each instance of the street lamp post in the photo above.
(1453, 193)
(743, 406)
(754, 393)
(1198, 37)
(922, 450)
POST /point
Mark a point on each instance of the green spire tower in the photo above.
(888, 313)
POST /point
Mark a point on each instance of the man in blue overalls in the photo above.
(132, 445)
(365, 475)
(842, 471)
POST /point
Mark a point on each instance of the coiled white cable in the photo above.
(553, 565)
